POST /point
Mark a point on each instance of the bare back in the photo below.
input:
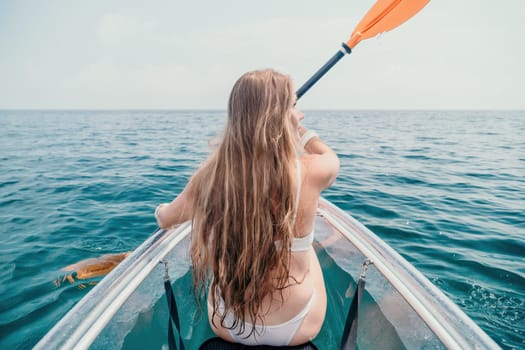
(306, 279)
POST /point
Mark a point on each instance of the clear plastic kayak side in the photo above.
(400, 308)
(422, 315)
(120, 298)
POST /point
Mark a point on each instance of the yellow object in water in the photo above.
(92, 267)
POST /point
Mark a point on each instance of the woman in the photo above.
(253, 205)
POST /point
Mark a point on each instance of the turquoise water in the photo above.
(445, 189)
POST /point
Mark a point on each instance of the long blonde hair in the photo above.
(245, 200)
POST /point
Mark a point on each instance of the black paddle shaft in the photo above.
(322, 71)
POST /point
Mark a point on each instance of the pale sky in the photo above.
(63, 54)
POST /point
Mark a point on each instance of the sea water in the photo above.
(446, 189)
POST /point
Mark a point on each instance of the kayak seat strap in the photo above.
(349, 338)
(174, 314)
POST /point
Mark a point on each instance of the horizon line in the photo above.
(224, 109)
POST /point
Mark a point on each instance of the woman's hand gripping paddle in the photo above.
(385, 15)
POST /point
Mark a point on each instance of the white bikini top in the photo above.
(304, 243)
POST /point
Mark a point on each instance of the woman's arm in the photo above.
(176, 212)
(325, 160)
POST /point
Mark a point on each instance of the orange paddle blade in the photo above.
(385, 15)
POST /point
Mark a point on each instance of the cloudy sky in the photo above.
(159, 54)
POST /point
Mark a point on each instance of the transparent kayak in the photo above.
(399, 309)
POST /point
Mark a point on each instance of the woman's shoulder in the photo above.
(322, 169)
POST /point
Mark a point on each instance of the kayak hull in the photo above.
(399, 307)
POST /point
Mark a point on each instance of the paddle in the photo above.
(385, 15)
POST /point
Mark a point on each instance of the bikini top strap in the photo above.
(299, 178)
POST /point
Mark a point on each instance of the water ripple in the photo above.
(445, 189)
